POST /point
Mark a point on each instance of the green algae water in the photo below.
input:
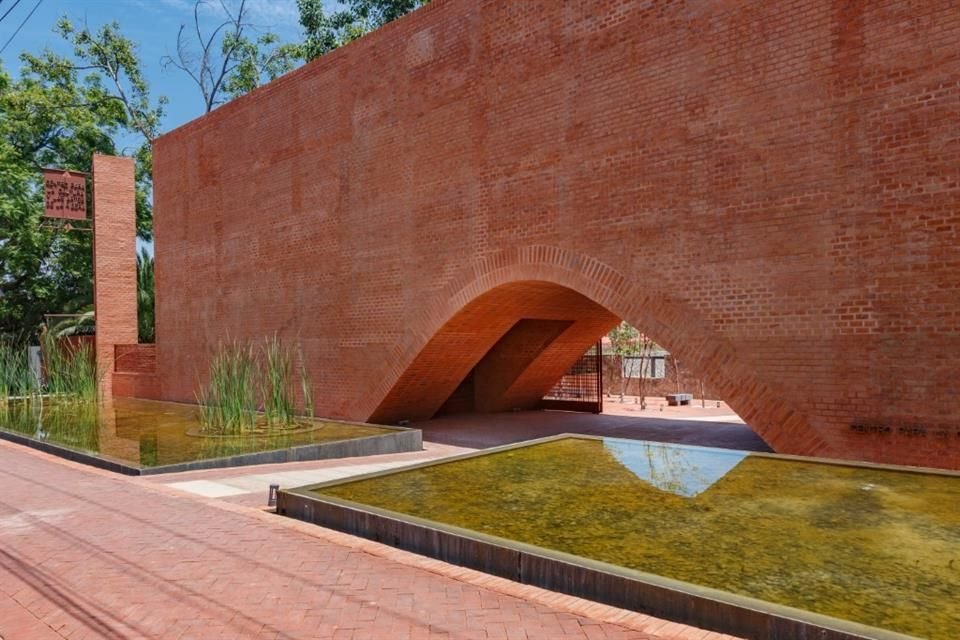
(146, 433)
(878, 547)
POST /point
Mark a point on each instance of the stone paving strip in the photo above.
(88, 554)
(242, 483)
(249, 485)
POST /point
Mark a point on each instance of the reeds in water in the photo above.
(228, 403)
(70, 369)
(16, 378)
(276, 389)
(245, 378)
(305, 387)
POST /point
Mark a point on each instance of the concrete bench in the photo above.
(676, 399)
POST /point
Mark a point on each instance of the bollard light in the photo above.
(272, 495)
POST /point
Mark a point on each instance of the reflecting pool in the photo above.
(876, 546)
(144, 433)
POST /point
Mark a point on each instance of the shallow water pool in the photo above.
(875, 546)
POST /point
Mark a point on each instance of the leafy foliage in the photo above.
(623, 339)
(59, 112)
(62, 109)
(223, 61)
(145, 297)
(80, 324)
(323, 33)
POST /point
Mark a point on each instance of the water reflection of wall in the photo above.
(684, 471)
(111, 442)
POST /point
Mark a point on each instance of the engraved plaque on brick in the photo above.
(65, 193)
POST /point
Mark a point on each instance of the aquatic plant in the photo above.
(245, 378)
(276, 387)
(305, 387)
(62, 420)
(228, 402)
(71, 423)
(70, 368)
(16, 378)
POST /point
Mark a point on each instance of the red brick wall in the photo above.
(135, 371)
(137, 385)
(770, 190)
(114, 261)
(135, 358)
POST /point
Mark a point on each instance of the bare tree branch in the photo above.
(211, 68)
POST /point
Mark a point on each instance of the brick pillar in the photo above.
(114, 261)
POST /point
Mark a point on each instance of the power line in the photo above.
(9, 10)
(10, 39)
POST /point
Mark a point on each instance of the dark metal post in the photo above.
(599, 376)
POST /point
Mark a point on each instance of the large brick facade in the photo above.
(771, 190)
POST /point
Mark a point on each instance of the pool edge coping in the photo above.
(299, 453)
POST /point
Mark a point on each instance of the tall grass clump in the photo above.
(228, 403)
(16, 378)
(71, 370)
(276, 388)
(246, 378)
(305, 387)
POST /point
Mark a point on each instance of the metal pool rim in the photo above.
(655, 595)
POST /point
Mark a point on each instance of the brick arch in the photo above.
(521, 280)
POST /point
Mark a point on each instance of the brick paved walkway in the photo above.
(87, 554)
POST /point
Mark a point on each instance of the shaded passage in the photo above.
(480, 431)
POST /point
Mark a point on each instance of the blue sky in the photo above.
(152, 24)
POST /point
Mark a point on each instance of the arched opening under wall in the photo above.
(481, 378)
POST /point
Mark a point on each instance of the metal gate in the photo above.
(580, 388)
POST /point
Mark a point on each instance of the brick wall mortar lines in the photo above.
(114, 261)
(768, 189)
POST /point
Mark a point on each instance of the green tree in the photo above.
(259, 61)
(145, 297)
(224, 61)
(323, 33)
(631, 345)
(624, 342)
(59, 112)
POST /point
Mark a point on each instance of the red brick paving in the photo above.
(87, 554)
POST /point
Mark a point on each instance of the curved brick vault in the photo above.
(449, 337)
(769, 189)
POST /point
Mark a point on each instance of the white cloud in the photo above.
(178, 5)
(283, 11)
